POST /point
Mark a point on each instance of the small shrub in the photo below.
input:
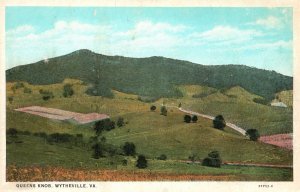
(153, 108)
(12, 132)
(141, 162)
(194, 118)
(68, 90)
(163, 110)
(187, 118)
(98, 150)
(129, 149)
(213, 160)
(261, 101)
(192, 157)
(253, 134)
(27, 90)
(124, 162)
(10, 99)
(162, 157)
(120, 122)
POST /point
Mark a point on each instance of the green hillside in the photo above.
(153, 76)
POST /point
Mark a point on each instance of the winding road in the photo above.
(233, 126)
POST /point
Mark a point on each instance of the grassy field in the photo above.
(34, 153)
(152, 133)
(237, 106)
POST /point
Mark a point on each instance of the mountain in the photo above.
(152, 76)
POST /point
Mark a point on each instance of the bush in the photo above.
(163, 110)
(141, 162)
(18, 85)
(192, 157)
(120, 122)
(27, 90)
(194, 118)
(261, 101)
(12, 132)
(124, 162)
(187, 118)
(46, 95)
(10, 99)
(98, 150)
(60, 137)
(219, 122)
(162, 157)
(103, 125)
(253, 134)
(213, 160)
(153, 108)
(129, 149)
(68, 90)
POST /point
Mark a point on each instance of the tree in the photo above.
(163, 110)
(98, 150)
(213, 159)
(253, 134)
(120, 122)
(153, 108)
(129, 149)
(179, 106)
(187, 118)
(141, 162)
(194, 118)
(219, 122)
(68, 90)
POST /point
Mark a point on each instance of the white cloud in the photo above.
(21, 30)
(221, 34)
(270, 22)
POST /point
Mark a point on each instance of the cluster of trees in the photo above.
(188, 118)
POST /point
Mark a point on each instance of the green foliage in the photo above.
(187, 118)
(60, 138)
(253, 134)
(98, 150)
(162, 157)
(194, 118)
(27, 90)
(261, 101)
(192, 157)
(46, 95)
(12, 132)
(68, 90)
(141, 162)
(120, 122)
(129, 149)
(219, 122)
(10, 99)
(103, 125)
(153, 76)
(163, 110)
(153, 108)
(213, 160)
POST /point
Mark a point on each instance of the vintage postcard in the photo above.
(178, 96)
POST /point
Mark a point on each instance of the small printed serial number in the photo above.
(265, 186)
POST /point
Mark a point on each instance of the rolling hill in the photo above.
(152, 76)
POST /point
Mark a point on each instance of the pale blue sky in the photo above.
(259, 37)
